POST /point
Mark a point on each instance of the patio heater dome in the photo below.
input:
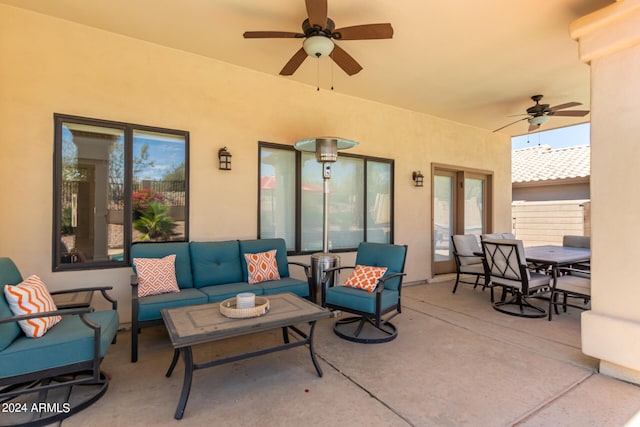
(326, 148)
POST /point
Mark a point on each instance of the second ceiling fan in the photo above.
(540, 113)
(319, 33)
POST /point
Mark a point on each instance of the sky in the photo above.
(166, 155)
(569, 136)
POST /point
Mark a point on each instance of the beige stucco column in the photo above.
(609, 41)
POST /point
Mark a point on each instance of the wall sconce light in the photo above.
(224, 157)
(418, 179)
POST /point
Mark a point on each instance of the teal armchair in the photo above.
(368, 326)
(67, 356)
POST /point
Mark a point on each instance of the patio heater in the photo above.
(326, 149)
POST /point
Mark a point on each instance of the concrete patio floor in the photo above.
(456, 361)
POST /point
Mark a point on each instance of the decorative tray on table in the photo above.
(229, 308)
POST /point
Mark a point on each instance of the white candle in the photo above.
(246, 300)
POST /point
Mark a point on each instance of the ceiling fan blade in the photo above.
(296, 60)
(271, 35)
(571, 113)
(512, 123)
(563, 106)
(317, 13)
(345, 61)
(533, 127)
(364, 32)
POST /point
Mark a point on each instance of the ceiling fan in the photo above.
(540, 113)
(319, 33)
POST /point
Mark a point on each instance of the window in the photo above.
(291, 199)
(115, 184)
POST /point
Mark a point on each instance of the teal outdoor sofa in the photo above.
(67, 355)
(209, 272)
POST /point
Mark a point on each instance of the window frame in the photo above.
(128, 132)
(298, 195)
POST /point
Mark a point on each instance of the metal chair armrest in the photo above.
(325, 277)
(383, 280)
(306, 267)
(103, 290)
(63, 312)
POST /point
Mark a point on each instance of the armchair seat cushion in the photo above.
(359, 299)
(285, 284)
(536, 280)
(149, 308)
(218, 293)
(70, 341)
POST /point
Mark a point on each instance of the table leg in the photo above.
(187, 356)
(313, 354)
(285, 334)
(174, 361)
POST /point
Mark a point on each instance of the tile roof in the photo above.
(542, 163)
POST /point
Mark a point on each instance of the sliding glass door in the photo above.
(461, 199)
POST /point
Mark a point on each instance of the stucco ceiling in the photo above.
(469, 61)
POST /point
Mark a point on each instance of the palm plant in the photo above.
(154, 223)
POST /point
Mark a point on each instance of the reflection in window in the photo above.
(158, 198)
(360, 199)
(442, 217)
(277, 195)
(378, 202)
(115, 183)
(346, 203)
(474, 206)
(91, 193)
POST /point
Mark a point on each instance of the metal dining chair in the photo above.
(507, 267)
(466, 250)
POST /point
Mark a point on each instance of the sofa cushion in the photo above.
(162, 249)
(156, 275)
(9, 275)
(262, 267)
(264, 245)
(286, 284)
(217, 293)
(70, 341)
(31, 297)
(149, 307)
(215, 263)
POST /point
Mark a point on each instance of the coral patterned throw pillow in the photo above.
(156, 275)
(365, 277)
(262, 266)
(30, 297)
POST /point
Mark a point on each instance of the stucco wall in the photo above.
(610, 42)
(50, 65)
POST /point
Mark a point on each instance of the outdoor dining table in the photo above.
(556, 256)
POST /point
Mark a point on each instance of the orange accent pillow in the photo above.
(156, 275)
(30, 297)
(365, 277)
(262, 266)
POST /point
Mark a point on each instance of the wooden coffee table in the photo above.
(199, 324)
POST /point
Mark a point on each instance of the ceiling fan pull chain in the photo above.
(318, 73)
(331, 75)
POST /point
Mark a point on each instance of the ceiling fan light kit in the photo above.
(537, 121)
(318, 46)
